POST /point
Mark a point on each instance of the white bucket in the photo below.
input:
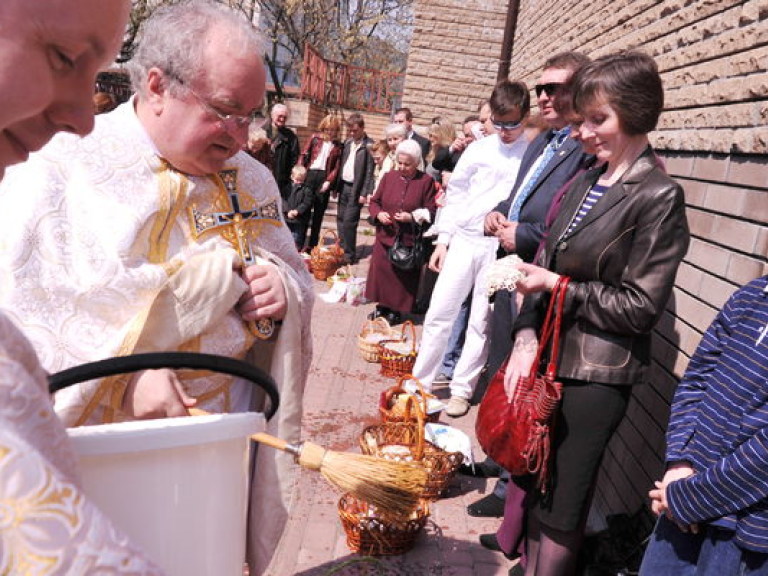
(178, 487)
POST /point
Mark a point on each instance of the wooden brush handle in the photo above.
(260, 437)
(271, 441)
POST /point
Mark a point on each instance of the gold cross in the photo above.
(239, 227)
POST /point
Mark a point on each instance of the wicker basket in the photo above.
(395, 407)
(342, 273)
(405, 441)
(373, 332)
(396, 359)
(373, 534)
(325, 258)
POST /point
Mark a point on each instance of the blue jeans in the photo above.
(456, 339)
(712, 552)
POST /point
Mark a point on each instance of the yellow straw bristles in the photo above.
(393, 487)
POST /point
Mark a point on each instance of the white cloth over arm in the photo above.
(47, 525)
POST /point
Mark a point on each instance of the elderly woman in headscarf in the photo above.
(403, 201)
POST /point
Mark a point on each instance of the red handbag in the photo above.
(517, 435)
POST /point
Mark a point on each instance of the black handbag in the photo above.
(404, 257)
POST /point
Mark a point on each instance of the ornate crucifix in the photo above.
(237, 227)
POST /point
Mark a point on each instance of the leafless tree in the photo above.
(368, 33)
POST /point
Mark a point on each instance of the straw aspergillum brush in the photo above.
(393, 487)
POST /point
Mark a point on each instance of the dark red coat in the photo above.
(390, 287)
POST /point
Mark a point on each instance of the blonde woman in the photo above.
(441, 135)
(321, 158)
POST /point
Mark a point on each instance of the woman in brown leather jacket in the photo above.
(620, 236)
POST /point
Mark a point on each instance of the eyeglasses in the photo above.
(230, 121)
(506, 125)
(550, 88)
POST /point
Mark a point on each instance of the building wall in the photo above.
(453, 58)
(305, 116)
(713, 136)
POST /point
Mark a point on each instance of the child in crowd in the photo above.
(297, 207)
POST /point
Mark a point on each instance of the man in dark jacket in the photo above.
(405, 116)
(285, 148)
(355, 184)
(551, 159)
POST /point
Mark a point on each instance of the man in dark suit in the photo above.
(285, 148)
(518, 222)
(405, 116)
(355, 184)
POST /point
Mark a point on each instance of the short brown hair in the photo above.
(509, 95)
(406, 111)
(356, 119)
(629, 82)
(567, 61)
(103, 102)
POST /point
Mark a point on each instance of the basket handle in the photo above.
(419, 413)
(347, 269)
(389, 393)
(423, 394)
(327, 231)
(379, 321)
(177, 360)
(406, 325)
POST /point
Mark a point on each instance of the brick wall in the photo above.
(727, 206)
(453, 58)
(305, 116)
(713, 135)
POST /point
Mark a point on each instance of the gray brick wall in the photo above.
(453, 58)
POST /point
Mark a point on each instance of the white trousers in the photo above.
(465, 266)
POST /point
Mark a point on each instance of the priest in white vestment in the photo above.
(156, 233)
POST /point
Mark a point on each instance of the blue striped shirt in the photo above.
(719, 423)
(594, 194)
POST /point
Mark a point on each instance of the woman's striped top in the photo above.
(594, 194)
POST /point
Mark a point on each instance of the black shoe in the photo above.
(480, 470)
(375, 314)
(490, 542)
(490, 506)
(394, 318)
(516, 570)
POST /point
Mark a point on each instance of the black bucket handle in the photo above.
(176, 360)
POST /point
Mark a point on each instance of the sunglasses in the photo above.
(506, 125)
(550, 88)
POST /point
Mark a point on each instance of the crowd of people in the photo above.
(576, 192)
(579, 193)
(153, 229)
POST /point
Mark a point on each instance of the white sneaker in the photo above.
(457, 407)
